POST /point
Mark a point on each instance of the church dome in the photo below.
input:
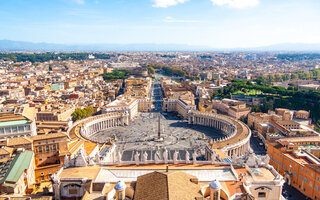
(215, 185)
(120, 186)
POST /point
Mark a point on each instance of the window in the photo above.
(14, 129)
(300, 177)
(307, 171)
(8, 130)
(305, 180)
(21, 129)
(310, 183)
(262, 194)
(47, 148)
(42, 176)
(40, 149)
(317, 188)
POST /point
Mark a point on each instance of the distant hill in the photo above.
(288, 47)
(10, 45)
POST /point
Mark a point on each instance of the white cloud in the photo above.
(78, 1)
(167, 3)
(236, 3)
(173, 20)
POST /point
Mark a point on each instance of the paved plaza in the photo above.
(142, 135)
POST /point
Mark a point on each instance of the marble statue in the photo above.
(175, 157)
(165, 156)
(156, 157)
(187, 157)
(136, 158)
(194, 157)
(119, 156)
(145, 157)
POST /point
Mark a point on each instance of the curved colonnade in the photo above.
(235, 142)
(89, 126)
(237, 134)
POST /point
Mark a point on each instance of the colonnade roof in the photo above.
(242, 130)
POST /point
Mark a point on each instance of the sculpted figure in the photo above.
(187, 157)
(194, 157)
(145, 157)
(175, 157)
(165, 156)
(136, 158)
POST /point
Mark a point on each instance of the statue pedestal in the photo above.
(159, 139)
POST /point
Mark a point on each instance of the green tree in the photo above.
(79, 114)
(151, 70)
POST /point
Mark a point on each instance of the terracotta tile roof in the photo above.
(48, 136)
(19, 141)
(166, 185)
(11, 117)
(6, 150)
(89, 172)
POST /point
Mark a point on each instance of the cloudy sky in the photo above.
(214, 23)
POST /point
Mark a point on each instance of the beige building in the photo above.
(128, 104)
(183, 181)
(233, 108)
(180, 102)
(56, 114)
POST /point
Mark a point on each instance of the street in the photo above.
(256, 147)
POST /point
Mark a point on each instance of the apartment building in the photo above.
(233, 108)
(180, 102)
(56, 114)
(300, 168)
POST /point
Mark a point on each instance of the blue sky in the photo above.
(214, 23)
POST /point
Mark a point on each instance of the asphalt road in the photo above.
(291, 193)
(256, 147)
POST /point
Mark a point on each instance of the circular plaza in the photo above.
(143, 133)
(152, 132)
